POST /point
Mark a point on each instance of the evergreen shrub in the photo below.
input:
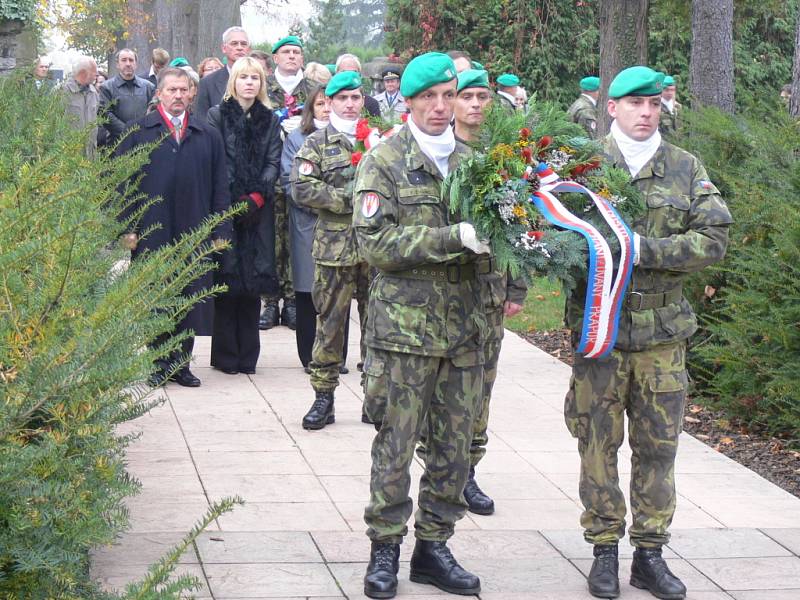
(74, 355)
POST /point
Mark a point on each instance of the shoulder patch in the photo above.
(706, 184)
(370, 202)
(305, 168)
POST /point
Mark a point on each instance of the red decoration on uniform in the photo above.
(355, 158)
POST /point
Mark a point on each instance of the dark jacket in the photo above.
(253, 149)
(191, 178)
(210, 92)
(123, 101)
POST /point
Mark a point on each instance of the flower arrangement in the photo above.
(371, 131)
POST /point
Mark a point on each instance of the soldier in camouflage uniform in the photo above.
(286, 85)
(502, 295)
(684, 230)
(322, 180)
(507, 86)
(584, 110)
(669, 107)
(425, 334)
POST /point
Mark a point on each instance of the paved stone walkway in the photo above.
(301, 533)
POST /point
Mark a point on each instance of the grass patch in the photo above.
(544, 308)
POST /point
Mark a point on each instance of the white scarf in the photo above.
(320, 124)
(289, 82)
(592, 100)
(436, 147)
(345, 126)
(636, 154)
(670, 104)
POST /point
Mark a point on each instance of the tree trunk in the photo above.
(794, 101)
(711, 64)
(623, 43)
(141, 34)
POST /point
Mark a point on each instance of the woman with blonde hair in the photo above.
(209, 65)
(318, 73)
(251, 134)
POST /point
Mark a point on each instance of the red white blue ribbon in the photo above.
(606, 289)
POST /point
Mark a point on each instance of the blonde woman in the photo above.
(251, 134)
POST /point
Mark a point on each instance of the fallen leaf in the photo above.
(694, 409)
(539, 297)
(691, 419)
(710, 291)
(702, 437)
(727, 441)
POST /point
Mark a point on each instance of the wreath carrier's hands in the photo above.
(129, 241)
(469, 239)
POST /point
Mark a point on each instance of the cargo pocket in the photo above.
(375, 389)
(668, 397)
(399, 322)
(571, 414)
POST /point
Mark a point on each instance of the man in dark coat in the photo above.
(235, 45)
(191, 177)
(125, 97)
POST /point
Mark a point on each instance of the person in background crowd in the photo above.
(322, 180)
(786, 93)
(41, 74)
(685, 229)
(187, 172)
(461, 60)
(208, 65)
(584, 110)
(82, 100)
(522, 98)
(317, 73)
(124, 98)
(390, 100)
(101, 78)
(302, 222)
(251, 134)
(669, 106)
(265, 60)
(350, 62)
(159, 58)
(235, 45)
(507, 85)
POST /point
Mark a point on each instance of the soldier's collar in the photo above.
(654, 167)
(334, 135)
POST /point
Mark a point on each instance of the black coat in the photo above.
(253, 148)
(191, 178)
(122, 102)
(210, 91)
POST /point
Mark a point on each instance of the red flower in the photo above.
(524, 133)
(544, 142)
(355, 158)
(404, 117)
(536, 235)
(363, 130)
(527, 155)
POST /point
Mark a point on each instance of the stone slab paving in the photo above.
(301, 533)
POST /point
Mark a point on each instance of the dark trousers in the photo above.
(235, 343)
(307, 327)
(182, 356)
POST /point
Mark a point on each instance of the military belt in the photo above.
(449, 272)
(328, 215)
(650, 300)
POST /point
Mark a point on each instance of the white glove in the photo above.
(469, 239)
(291, 123)
(637, 242)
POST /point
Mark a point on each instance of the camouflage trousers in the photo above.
(650, 386)
(332, 294)
(440, 396)
(283, 264)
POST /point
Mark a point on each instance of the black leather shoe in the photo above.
(269, 316)
(343, 370)
(649, 572)
(321, 412)
(604, 576)
(186, 378)
(381, 578)
(477, 502)
(226, 371)
(157, 378)
(248, 371)
(434, 564)
(289, 314)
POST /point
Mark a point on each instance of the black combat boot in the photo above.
(269, 317)
(604, 576)
(477, 502)
(381, 578)
(433, 563)
(321, 412)
(650, 572)
(289, 314)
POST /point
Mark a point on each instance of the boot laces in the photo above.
(447, 556)
(657, 564)
(320, 404)
(384, 557)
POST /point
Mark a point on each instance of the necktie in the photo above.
(176, 123)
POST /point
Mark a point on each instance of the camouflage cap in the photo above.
(346, 80)
(473, 78)
(590, 84)
(425, 71)
(636, 81)
(508, 80)
(289, 40)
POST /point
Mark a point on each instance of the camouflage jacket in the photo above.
(322, 180)
(402, 224)
(669, 120)
(277, 96)
(684, 230)
(584, 113)
(499, 286)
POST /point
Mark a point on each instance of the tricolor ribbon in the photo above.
(605, 291)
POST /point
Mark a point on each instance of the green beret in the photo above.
(636, 81)
(477, 65)
(179, 62)
(289, 40)
(331, 68)
(590, 84)
(473, 78)
(346, 80)
(508, 80)
(425, 71)
(669, 80)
